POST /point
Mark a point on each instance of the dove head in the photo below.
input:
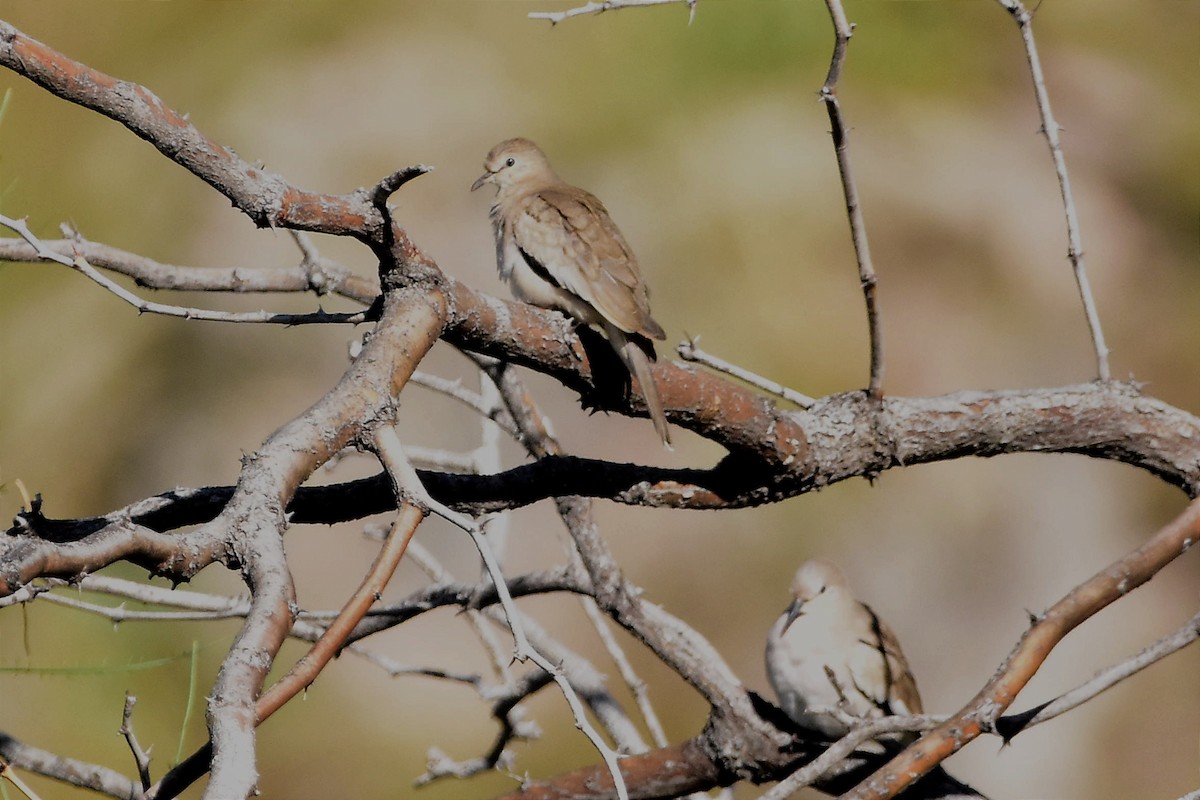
(814, 579)
(816, 576)
(516, 162)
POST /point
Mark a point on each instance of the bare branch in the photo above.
(584, 680)
(263, 196)
(637, 686)
(7, 773)
(431, 567)
(773, 454)
(858, 227)
(1013, 724)
(411, 486)
(862, 732)
(688, 351)
(1084, 601)
(80, 264)
(840, 436)
(305, 671)
(392, 183)
(455, 390)
(315, 274)
(72, 771)
(523, 650)
(1051, 128)
(141, 758)
(600, 6)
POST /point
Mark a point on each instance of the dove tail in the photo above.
(638, 364)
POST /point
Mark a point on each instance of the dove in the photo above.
(830, 651)
(558, 248)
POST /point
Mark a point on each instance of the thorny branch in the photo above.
(79, 263)
(773, 454)
(858, 227)
(1051, 128)
(688, 351)
(983, 712)
(599, 6)
(1012, 724)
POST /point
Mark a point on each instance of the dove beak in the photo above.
(481, 180)
(794, 611)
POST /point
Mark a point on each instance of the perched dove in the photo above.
(830, 656)
(829, 651)
(558, 248)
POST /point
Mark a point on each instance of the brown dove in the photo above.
(558, 248)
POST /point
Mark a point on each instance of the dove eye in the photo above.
(508, 162)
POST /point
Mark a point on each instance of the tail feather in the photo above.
(639, 365)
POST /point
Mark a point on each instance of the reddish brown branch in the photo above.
(1110, 421)
(264, 196)
(305, 671)
(980, 715)
(669, 772)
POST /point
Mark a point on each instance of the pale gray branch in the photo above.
(600, 6)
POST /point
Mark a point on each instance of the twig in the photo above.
(523, 650)
(861, 732)
(513, 726)
(305, 670)
(1050, 128)
(858, 228)
(140, 757)
(8, 774)
(431, 567)
(205, 607)
(636, 685)
(236, 608)
(688, 351)
(487, 455)
(616, 596)
(577, 711)
(395, 669)
(26, 593)
(585, 681)
(81, 264)
(145, 593)
(439, 764)
(326, 277)
(475, 401)
(981, 713)
(72, 771)
(444, 460)
(389, 185)
(412, 486)
(600, 6)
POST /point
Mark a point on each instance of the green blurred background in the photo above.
(712, 152)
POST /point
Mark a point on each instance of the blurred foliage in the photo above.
(709, 146)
